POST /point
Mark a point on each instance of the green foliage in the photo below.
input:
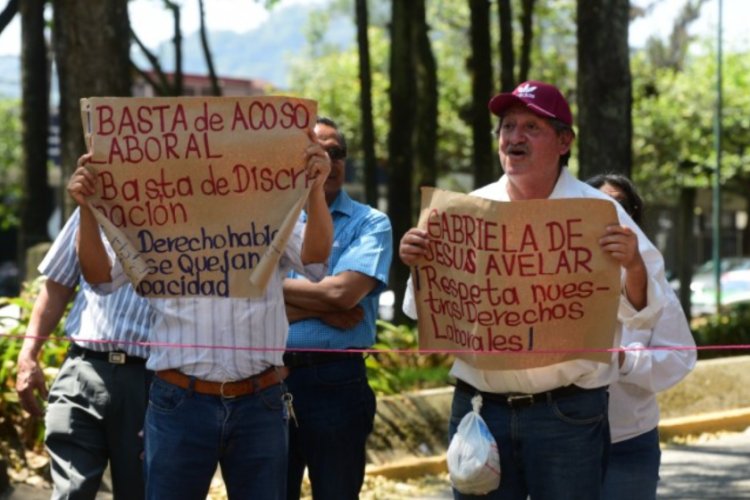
(331, 76)
(28, 432)
(10, 163)
(731, 327)
(396, 369)
(673, 124)
(554, 53)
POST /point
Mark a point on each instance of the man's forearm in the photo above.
(331, 294)
(636, 286)
(309, 296)
(295, 313)
(46, 313)
(95, 264)
(316, 246)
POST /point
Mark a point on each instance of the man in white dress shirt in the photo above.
(212, 407)
(553, 440)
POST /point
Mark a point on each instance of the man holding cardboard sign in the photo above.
(218, 336)
(547, 410)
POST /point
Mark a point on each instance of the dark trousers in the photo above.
(96, 410)
(335, 409)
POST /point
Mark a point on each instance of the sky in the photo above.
(660, 20)
(153, 23)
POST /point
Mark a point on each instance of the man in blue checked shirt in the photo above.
(97, 403)
(333, 402)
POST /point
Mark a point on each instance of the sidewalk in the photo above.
(715, 466)
(730, 420)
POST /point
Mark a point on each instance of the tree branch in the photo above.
(215, 88)
(163, 87)
(8, 13)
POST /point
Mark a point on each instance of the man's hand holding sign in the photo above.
(539, 277)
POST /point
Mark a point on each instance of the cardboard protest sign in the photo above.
(198, 195)
(527, 277)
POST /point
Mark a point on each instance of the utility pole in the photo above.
(716, 249)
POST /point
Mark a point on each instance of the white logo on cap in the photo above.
(526, 90)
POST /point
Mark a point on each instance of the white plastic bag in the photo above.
(473, 459)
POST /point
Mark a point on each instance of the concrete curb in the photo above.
(729, 420)
(409, 467)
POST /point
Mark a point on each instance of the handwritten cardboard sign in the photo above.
(528, 277)
(198, 195)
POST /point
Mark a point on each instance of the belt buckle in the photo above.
(520, 400)
(116, 358)
(221, 392)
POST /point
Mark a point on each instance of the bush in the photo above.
(19, 431)
(400, 367)
(730, 328)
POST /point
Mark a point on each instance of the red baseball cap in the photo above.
(541, 98)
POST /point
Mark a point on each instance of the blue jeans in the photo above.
(549, 450)
(189, 434)
(335, 408)
(633, 470)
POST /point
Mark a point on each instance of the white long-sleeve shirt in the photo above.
(584, 373)
(633, 408)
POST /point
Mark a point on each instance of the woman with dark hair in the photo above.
(623, 191)
(633, 468)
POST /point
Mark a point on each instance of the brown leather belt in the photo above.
(272, 376)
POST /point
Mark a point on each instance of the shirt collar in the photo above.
(563, 184)
(342, 204)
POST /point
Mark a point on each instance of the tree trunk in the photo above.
(92, 42)
(685, 246)
(36, 202)
(400, 149)
(507, 58)
(604, 88)
(425, 139)
(215, 88)
(527, 29)
(480, 67)
(365, 105)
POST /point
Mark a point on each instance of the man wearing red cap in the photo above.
(553, 442)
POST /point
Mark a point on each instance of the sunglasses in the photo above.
(336, 153)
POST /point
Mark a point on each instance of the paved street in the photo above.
(718, 469)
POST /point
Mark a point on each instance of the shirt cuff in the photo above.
(117, 276)
(316, 271)
(410, 305)
(630, 357)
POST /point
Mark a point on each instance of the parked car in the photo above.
(735, 289)
(386, 305)
(703, 276)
